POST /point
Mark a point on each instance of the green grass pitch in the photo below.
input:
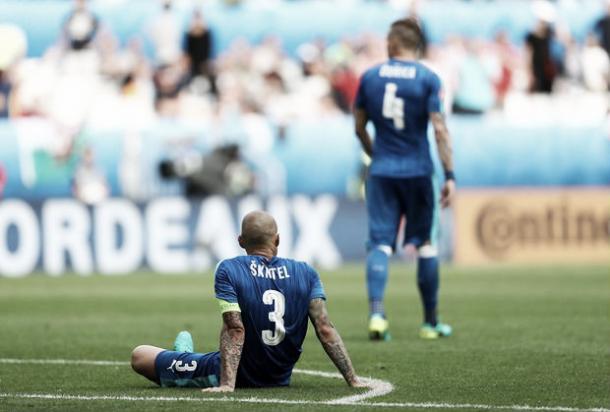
(535, 336)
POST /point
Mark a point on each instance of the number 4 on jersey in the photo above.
(393, 107)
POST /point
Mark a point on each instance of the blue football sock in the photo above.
(427, 281)
(376, 307)
(376, 279)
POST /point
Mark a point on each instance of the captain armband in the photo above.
(228, 306)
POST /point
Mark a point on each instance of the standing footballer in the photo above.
(400, 96)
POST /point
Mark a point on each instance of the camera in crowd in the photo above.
(220, 172)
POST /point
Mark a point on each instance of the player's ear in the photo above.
(390, 46)
(240, 240)
(277, 240)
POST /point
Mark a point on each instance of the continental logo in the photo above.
(502, 227)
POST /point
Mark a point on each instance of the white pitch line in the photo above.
(152, 398)
(377, 388)
(442, 405)
(405, 405)
(63, 362)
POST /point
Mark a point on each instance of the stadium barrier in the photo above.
(168, 235)
(176, 235)
(533, 226)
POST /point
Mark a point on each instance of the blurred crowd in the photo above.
(187, 78)
(250, 93)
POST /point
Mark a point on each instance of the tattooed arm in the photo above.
(231, 344)
(443, 142)
(332, 342)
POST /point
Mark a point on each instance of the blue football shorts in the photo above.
(388, 199)
(181, 369)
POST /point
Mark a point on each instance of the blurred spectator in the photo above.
(80, 26)
(13, 46)
(506, 54)
(198, 47)
(116, 63)
(572, 69)
(566, 56)
(89, 184)
(344, 81)
(5, 95)
(474, 94)
(258, 151)
(3, 180)
(595, 66)
(169, 81)
(542, 67)
(344, 86)
(314, 86)
(602, 29)
(165, 34)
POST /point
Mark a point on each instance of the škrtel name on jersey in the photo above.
(262, 271)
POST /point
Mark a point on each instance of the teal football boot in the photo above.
(441, 330)
(444, 330)
(184, 342)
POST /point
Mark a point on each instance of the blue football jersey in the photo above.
(398, 97)
(273, 296)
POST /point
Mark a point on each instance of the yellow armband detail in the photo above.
(228, 306)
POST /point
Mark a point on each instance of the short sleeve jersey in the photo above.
(273, 296)
(398, 97)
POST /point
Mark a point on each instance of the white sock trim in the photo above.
(385, 249)
(427, 251)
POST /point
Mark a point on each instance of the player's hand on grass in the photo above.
(357, 383)
(224, 388)
(448, 193)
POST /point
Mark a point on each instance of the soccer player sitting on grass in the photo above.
(265, 302)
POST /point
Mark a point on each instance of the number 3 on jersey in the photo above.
(275, 298)
(393, 107)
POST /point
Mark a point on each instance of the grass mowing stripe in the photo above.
(405, 405)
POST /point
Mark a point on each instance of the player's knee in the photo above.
(138, 358)
(143, 360)
(427, 251)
